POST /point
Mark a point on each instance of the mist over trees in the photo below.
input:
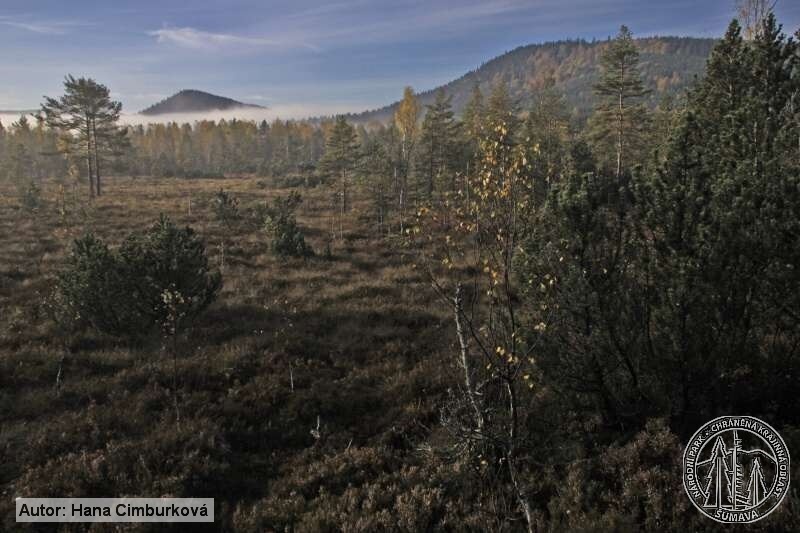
(291, 148)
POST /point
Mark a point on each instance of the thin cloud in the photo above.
(328, 9)
(203, 40)
(138, 96)
(335, 24)
(43, 28)
(442, 19)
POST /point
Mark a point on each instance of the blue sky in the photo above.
(302, 56)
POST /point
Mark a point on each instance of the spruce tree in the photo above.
(473, 121)
(437, 143)
(547, 137)
(501, 110)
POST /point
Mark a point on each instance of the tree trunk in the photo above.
(89, 166)
(90, 172)
(96, 158)
(381, 200)
(620, 120)
(344, 191)
(402, 209)
(430, 172)
(511, 456)
(619, 137)
(458, 306)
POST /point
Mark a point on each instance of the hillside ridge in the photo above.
(669, 65)
(192, 101)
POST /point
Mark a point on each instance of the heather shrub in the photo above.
(635, 486)
(360, 489)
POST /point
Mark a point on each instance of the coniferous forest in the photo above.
(508, 313)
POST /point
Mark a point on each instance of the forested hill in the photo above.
(191, 101)
(668, 66)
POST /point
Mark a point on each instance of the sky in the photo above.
(304, 57)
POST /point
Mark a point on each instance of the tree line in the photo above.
(418, 154)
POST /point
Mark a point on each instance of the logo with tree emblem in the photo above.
(736, 469)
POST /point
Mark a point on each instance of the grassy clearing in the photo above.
(358, 336)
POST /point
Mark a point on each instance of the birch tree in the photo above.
(405, 119)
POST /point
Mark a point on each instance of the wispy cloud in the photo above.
(328, 8)
(334, 22)
(44, 28)
(203, 40)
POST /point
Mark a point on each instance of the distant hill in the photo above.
(191, 101)
(668, 66)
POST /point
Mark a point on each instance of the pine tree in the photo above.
(619, 118)
(341, 152)
(723, 206)
(375, 171)
(87, 119)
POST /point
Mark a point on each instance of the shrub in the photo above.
(280, 223)
(91, 285)
(121, 292)
(167, 258)
(30, 196)
(226, 208)
(287, 238)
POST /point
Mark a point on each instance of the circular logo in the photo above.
(736, 469)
